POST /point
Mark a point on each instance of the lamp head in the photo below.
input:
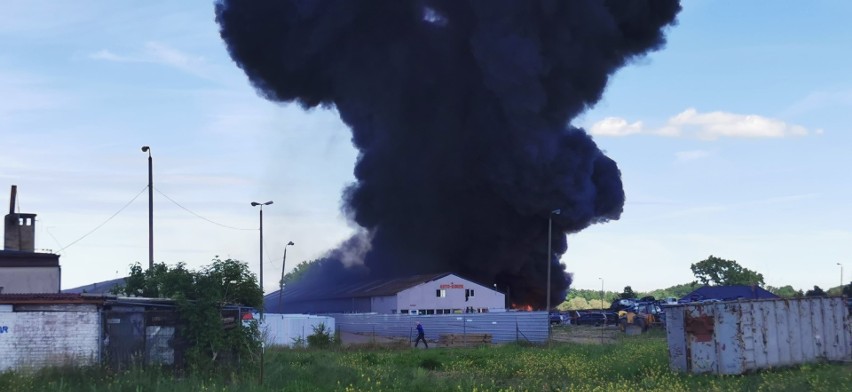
(290, 243)
(255, 204)
(268, 203)
(145, 148)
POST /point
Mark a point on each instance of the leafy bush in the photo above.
(321, 337)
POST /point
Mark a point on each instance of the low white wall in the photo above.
(31, 340)
(284, 329)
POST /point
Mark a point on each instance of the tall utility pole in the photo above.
(281, 282)
(262, 304)
(150, 207)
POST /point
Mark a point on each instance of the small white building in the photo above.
(443, 293)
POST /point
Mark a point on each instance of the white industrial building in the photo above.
(443, 293)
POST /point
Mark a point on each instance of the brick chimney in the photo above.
(19, 228)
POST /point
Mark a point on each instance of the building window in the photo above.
(403, 311)
(471, 292)
(430, 311)
(393, 311)
(441, 293)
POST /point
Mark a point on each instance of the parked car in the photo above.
(596, 319)
(556, 318)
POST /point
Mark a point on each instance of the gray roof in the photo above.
(355, 289)
(97, 287)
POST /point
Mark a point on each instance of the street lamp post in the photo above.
(549, 261)
(150, 207)
(602, 293)
(841, 278)
(262, 305)
(281, 282)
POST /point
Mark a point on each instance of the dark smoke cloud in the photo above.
(460, 110)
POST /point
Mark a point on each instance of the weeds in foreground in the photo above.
(631, 364)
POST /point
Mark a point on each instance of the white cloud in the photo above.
(106, 55)
(24, 92)
(615, 126)
(684, 156)
(713, 125)
(706, 126)
(163, 54)
(158, 53)
(821, 100)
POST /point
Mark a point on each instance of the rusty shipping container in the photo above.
(741, 336)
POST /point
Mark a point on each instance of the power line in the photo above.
(197, 215)
(105, 222)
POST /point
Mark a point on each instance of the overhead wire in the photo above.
(105, 222)
(197, 215)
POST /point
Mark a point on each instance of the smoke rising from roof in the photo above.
(460, 110)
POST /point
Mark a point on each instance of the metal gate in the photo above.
(135, 336)
(124, 340)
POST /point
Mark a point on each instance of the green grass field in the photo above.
(630, 364)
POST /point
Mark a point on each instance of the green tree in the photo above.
(597, 304)
(718, 271)
(847, 290)
(816, 292)
(298, 271)
(627, 293)
(783, 291)
(677, 291)
(576, 303)
(199, 296)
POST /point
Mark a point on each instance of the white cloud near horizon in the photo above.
(705, 126)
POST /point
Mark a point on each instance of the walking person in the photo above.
(420, 336)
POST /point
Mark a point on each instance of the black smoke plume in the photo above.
(461, 112)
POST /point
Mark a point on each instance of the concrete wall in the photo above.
(31, 340)
(424, 296)
(29, 280)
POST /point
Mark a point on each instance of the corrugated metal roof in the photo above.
(49, 298)
(727, 293)
(362, 288)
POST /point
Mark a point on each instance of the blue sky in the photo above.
(733, 141)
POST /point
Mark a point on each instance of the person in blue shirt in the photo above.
(420, 336)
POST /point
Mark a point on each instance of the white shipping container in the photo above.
(740, 336)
